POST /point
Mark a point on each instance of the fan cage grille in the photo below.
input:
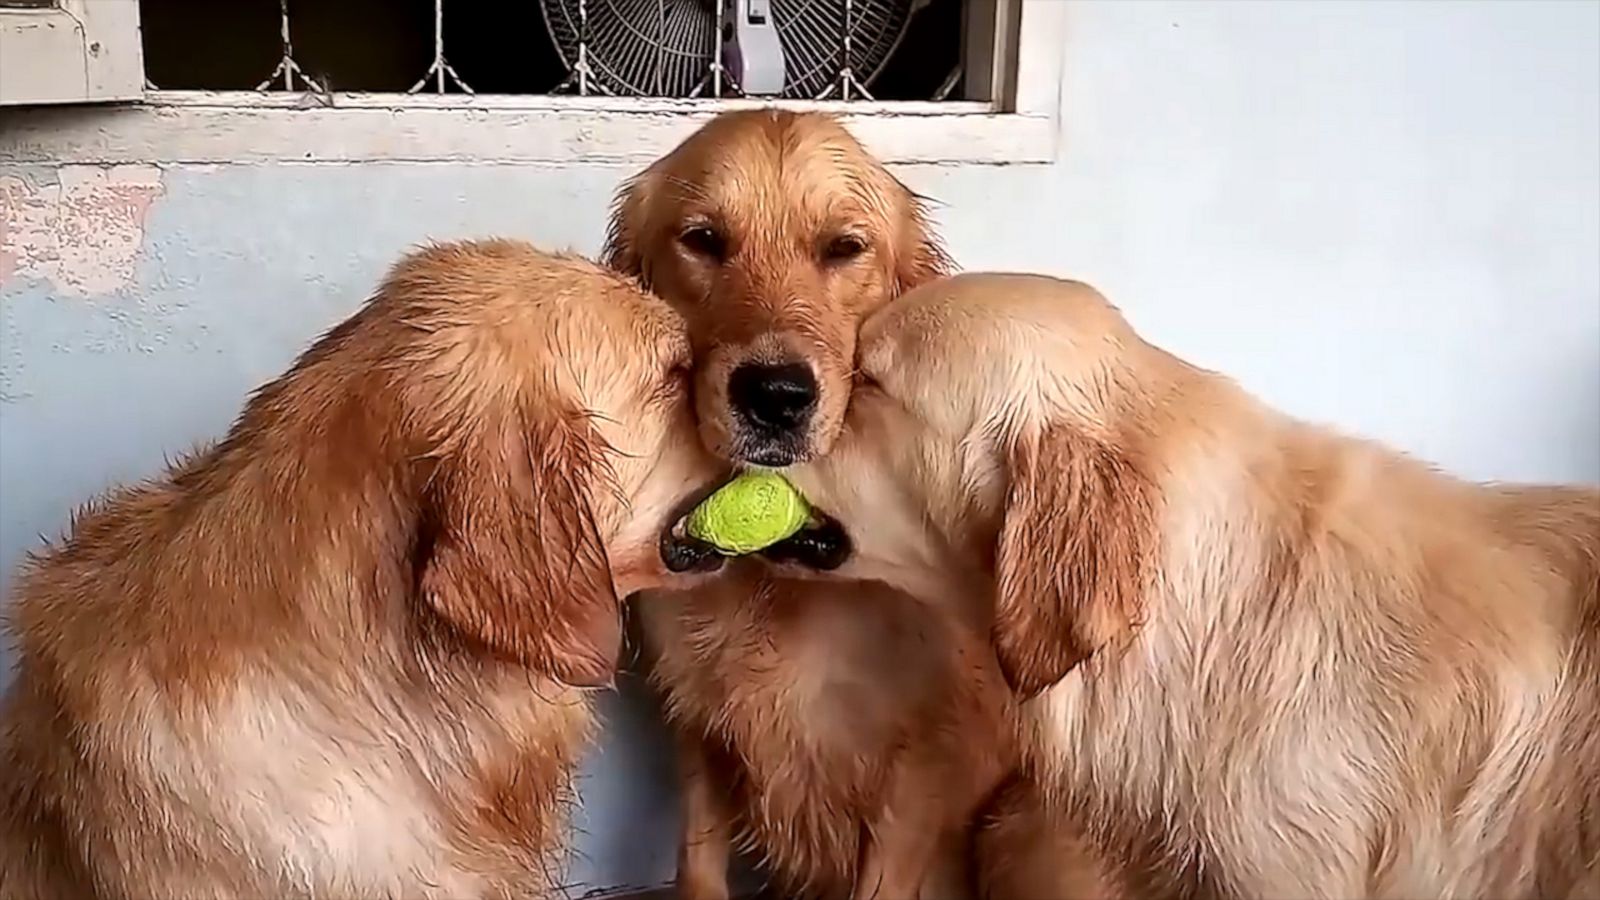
(668, 48)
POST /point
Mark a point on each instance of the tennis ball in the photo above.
(752, 512)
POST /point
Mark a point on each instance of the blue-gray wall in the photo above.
(1381, 215)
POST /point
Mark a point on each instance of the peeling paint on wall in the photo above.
(81, 233)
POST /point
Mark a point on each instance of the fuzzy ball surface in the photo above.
(750, 513)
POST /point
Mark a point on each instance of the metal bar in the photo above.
(581, 72)
(286, 65)
(661, 51)
(440, 69)
(844, 74)
(438, 41)
(717, 76)
(717, 68)
(316, 90)
(847, 82)
(948, 86)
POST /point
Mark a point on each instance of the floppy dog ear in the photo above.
(625, 233)
(1074, 557)
(920, 256)
(511, 559)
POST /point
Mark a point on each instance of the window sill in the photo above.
(178, 127)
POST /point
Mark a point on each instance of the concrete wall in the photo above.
(1380, 215)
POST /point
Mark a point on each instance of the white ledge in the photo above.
(180, 127)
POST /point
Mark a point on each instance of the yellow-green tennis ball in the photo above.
(752, 512)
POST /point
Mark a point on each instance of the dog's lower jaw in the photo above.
(822, 547)
(682, 554)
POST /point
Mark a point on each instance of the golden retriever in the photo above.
(342, 652)
(775, 234)
(1256, 658)
(839, 731)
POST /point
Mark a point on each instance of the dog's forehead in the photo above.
(650, 323)
(986, 330)
(758, 174)
(1001, 310)
(921, 328)
(932, 367)
(639, 331)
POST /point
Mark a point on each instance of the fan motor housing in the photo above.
(750, 47)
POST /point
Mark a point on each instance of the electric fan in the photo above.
(667, 48)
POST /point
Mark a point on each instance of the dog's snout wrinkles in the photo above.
(778, 398)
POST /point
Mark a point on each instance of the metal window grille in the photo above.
(832, 49)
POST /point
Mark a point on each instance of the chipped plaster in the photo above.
(82, 232)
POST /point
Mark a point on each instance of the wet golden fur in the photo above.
(775, 234)
(839, 731)
(1258, 659)
(341, 653)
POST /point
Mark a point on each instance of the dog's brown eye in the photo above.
(703, 240)
(843, 248)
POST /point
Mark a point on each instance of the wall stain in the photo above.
(81, 233)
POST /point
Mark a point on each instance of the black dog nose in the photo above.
(774, 398)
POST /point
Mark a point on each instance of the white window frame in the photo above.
(75, 51)
(1015, 55)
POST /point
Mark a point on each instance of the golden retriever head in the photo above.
(775, 234)
(543, 407)
(999, 429)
